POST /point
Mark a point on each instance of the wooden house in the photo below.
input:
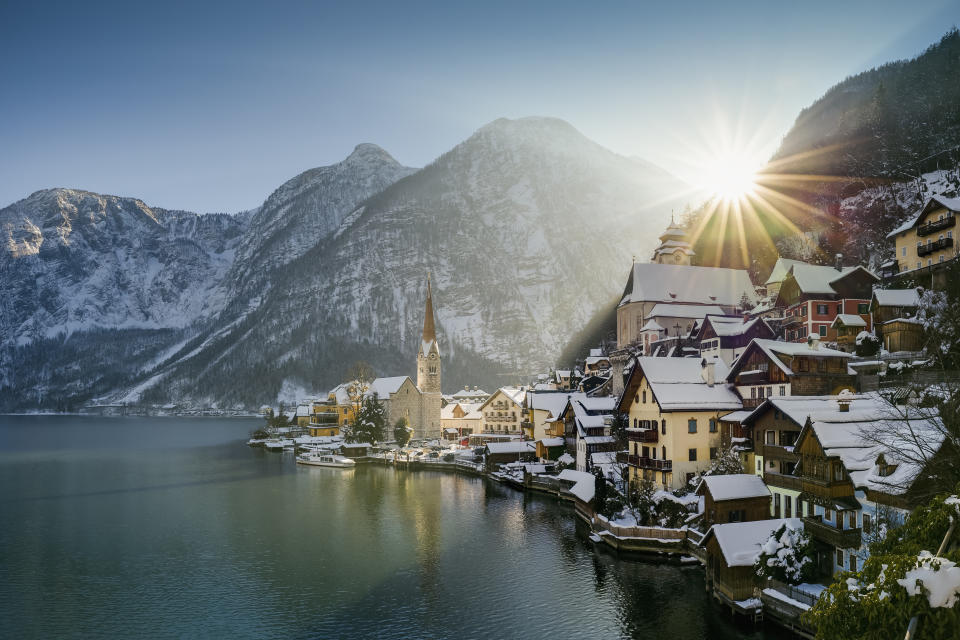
(741, 497)
(813, 296)
(728, 336)
(732, 549)
(894, 314)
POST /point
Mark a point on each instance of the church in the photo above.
(666, 296)
(419, 403)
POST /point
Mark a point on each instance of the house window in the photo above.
(863, 308)
(693, 454)
(713, 453)
(692, 425)
(803, 310)
(771, 437)
(787, 507)
(776, 504)
(867, 525)
(822, 309)
(941, 258)
(761, 393)
(828, 514)
(919, 264)
(753, 392)
(821, 366)
(644, 397)
(929, 262)
(949, 234)
(823, 330)
(759, 468)
(713, 425)
(663, 450)
(803, 365)
(663, 426)
(904, 252)
(783, 390)
(634, 423)
(636, 399)
(837, 472)
(839, 557)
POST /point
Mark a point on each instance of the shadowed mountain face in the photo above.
(527, 227)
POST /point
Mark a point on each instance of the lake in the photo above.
(172, 527)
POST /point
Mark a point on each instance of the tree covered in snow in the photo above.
(867, 344)
(901, 579)
(787, 556)
(369, 424)
(402, 432)
(939, 311)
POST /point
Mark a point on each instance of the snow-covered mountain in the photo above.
(527, 228)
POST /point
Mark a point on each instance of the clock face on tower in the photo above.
(433, 356)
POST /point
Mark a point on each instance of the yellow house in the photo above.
(927, 238)
(337, 409)
(674, 407)
(323, 429)
(544, 407)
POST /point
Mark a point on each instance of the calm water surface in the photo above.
(172, 527)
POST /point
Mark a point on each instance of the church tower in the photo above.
(674, 246)
(429, 371)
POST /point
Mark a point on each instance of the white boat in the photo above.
(326, 461)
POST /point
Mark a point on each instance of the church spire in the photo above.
(429, 332)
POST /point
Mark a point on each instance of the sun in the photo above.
(730, 176)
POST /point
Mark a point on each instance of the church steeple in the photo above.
(428, 355)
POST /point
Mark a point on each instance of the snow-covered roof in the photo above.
(813, 278)
(595, 359)
(736, 416)
(357, 445)
(730, 326)
(584, 483)
(933, 202)
(740, 542)
(514, 394)
(341, 393)
(599, 439)
(652, 325)
(303, 411)
(897, 297)
(694, 311)
(596, 353)
(735, 486)
(651, 282)
(678, 383)
(552, 442)
(552, 402)
(849, 320)
(775, 347)
(383, 387)
(510, 447)
(799, 408)
(780, 270)
(566, 458)
(467, 393)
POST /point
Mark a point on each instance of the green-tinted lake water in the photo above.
(172, 527)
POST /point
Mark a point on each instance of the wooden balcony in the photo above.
(753, 377)
(778, 452)
(792, 320)
(645, 436)
(936, 225)
(643, 462)
(933, 247)
(783, 481)
(752, 403)
(840, 538)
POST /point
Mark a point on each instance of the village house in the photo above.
(550, 448)
(497, 453)
(544, 408)
(846, 327)
(461, 418)
(673, 406)
(727, 337)
(337, 409)
(770, 368)
(597, 363)
(926, 239)
(858, 467)
(778, 274)
(739, 497)
(503, 411)
(894, 314)
(812, 296)
(732, 549)
(587, 424)
(667, 282)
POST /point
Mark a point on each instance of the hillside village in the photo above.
(724, 411)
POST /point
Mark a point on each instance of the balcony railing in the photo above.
(841, 538)
(643, 435)
(753, 377)
(783, 481)
(752, 403)
(936, 225)
(644, 462)
(939, 245)
(792, 320)
(780, 452)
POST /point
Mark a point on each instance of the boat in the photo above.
(325, 461)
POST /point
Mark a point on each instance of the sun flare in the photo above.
(730, 177)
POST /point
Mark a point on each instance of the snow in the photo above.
(773, 593)
(666, 310)
(552, 442)
(749, 603)
(730, 326)
(677, 384)
(849, 320)
(683, 284)
(791, 349)
(740, 542)
(819, 279)
(897, 297)
(780, 270)
(736, 486)
(510, 447)
(652, 325)
(383, 387)
(566, 459)
(736, 416)
(584, 483)
(936, 577)
(551, 402)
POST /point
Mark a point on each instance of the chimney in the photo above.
(844, 400)
(814, 342)
(839, 262)
(708, 372)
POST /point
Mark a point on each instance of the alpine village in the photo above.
(769, 432)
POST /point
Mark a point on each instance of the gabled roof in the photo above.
(383, 387)
(933, 202)
(738, 486)
(849, 320)
(694, 311)
(780, 270)
(896, 297)
(510, 447)
(813, 279)
(731, 326)
(651, 282)
(873, 426)
(774, 347)
(553, 402)
(514, 394)
(678, 384)
(651, 326)
(740, 542)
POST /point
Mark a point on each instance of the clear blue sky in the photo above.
(210, 106)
